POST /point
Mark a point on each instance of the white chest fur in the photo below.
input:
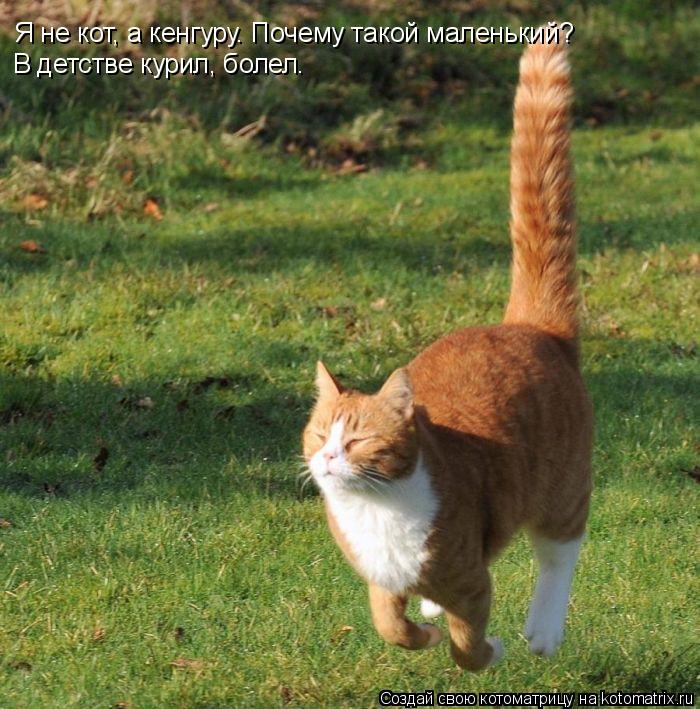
(388, 532)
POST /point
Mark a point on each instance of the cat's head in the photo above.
(360, 442)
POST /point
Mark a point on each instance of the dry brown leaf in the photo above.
(116, 380)
(128, 177)
(694, 473)
(616, 329)
(211, 207)
(100, 460)
(330, 311)
(32, 247)
(151, 209)
(186, 663)
(286, 694)
(350, 167)
(343, 630)
(35, 202)
(5, 523)
(691, 264)
(378, 304)
(98, 634)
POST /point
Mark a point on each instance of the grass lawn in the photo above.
(185, 348)
(155, 375)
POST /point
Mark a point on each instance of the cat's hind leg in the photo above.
(430, 609)
(547, 616)
(389, 618)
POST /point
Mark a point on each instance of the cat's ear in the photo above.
(398, 392)
(328, 386)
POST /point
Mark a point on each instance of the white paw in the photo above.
(429, 609)
(435, 634)
(544, 639)
(529, 630)
(498, 650)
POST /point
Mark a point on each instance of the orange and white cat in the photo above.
(485, 432)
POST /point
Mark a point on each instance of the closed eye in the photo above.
(354, 441)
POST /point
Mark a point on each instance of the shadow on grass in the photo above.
(258, 249)
(232, 431)
(186, 438)
(249, 187)
(639, 234)
(277, 247)
(667, 673)
(346, 245)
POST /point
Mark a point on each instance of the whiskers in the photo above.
(304, 474)
(360, 478)
(374, 478)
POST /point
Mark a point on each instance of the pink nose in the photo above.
(329, 455)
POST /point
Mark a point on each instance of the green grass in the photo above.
(186, 348)
(197, 521)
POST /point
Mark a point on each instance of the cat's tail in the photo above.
(543, 291)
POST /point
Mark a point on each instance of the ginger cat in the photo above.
(486, 431)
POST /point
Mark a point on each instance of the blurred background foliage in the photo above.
(82, 140)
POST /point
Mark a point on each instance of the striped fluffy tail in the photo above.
(543, 291)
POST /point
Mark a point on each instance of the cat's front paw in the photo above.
(498, 648)
(544, 639)
(487, 653)
(435, 636)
